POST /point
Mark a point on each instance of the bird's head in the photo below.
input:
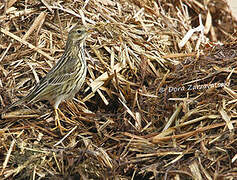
(78, 34)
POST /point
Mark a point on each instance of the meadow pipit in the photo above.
(65, 79)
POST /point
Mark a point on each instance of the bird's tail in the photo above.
(13, 105)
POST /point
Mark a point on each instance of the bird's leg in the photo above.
(57, 122)
(66, 119)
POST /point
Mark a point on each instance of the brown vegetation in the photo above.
(157, 103)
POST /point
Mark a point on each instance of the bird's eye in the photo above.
(79, 31)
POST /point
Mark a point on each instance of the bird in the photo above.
(65, 79)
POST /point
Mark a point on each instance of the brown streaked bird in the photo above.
(65, 79)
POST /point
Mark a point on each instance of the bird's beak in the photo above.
(91, 28)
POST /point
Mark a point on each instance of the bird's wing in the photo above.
(52, 82)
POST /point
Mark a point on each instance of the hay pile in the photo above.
(160, 98)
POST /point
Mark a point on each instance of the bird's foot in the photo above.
(66, 118)
(58, 123)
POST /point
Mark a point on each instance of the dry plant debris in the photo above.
(150, 108)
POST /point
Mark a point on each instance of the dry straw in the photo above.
(150, 108)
